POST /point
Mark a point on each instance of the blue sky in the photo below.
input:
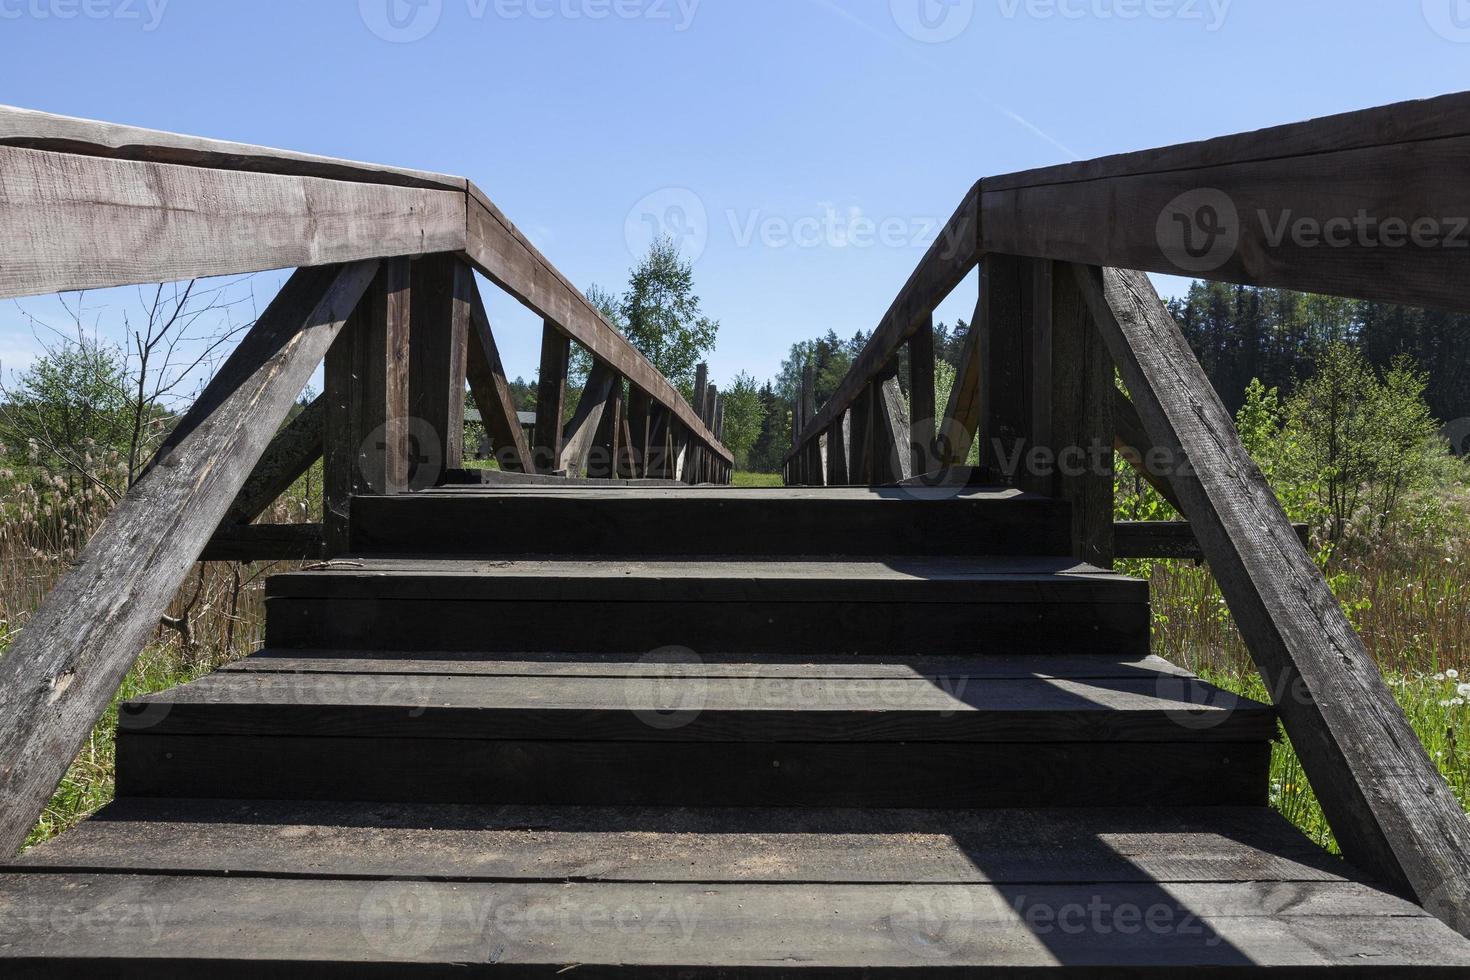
(804, 148)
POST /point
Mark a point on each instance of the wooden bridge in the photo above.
(600, 713)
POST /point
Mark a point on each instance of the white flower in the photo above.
(1453, 675)
(1440, 678)
(1463, 690)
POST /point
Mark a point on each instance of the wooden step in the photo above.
(198, 887)
(712, 521)
(907, 606)
(701, 735)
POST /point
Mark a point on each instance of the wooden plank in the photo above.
(496, 479)
(923, 422)
(1391, 811)
(1005, 293)
(507, 258)
(583, 773)
(461, 843)
(355, 928)
(443, 288)
(77, 222)
(290, 455)
(1381, 223)
(757, 627)
(1131, 441)
(860, 439)
(731, 709)
(581, 431)
(837, 439)
(892, 447)
(701, 387)
(1082, 429)
(86, 137)
(708, 462)
(640, 426)
(954, 253)
(369, 440)
(608, 446)
(962, 422)
(551, 394)
(266, 542)
(491, 392)
(60, 673)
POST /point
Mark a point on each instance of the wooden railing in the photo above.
(1371, 205)
(385, 294)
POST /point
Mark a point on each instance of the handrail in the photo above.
(1371, 205)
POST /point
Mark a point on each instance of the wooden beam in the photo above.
(640, 423)
(290, 455)
(551, 396)
(1392, 813)
(962, 415)
(581, 432)
(508, 259)
(367, 432)
(86, 137)
(62, 671)
(1007, 296)
(267, 542)
(78, 222)
(860, 440)
(491, 392)
(607, 447)
(1081, 424)
(952, 256)
(923, 412)
(892, 459)
(1328, 206)
(708, 461)
(443, 288)
(701, 386)
(837, 438)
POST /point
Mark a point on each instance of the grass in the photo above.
(757, 480)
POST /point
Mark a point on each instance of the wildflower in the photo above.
(1463, 690)
(1453, 675)
(1440, 678)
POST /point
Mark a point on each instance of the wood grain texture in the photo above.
(491, 392)
(85, 137)
(1391, 811)
(581, 432)
(508, 259)
(60, 673)
(75, 222)
(551, 395)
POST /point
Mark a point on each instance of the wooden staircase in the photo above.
(712, 733)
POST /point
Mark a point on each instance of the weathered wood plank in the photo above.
(85, 137)
(860, 439)
(944, 266)
(59, 674)
(837, 440)
(290, 455)
(508, 259)
(1082, 429)
(443, 287)
(611, 438)
(551, 395)
(491, 392)
(77, 222)
(892, 447)
(369, 442)
(266, 542)
(923, 424)
(1391, 811)
(1005, 304)
(581, 431)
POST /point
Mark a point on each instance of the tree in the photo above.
(661, 315)
(745, 416)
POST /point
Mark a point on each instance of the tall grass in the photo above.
(217, 617)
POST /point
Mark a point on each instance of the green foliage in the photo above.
(661, 316)
(70, 411)
(745, 414)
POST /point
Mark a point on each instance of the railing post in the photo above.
(811, 454)
(860, 440)
(640, 422)
(1005, 427)
(608, 442)
(892, 461)
(365, 437)
(837, 437)
(922, 411)
(551, 395)
(441, 316)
